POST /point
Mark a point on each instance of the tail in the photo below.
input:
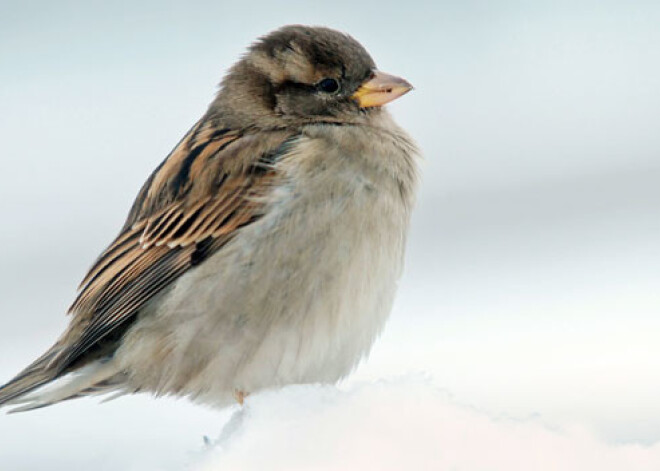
(31, 378)
(31, 386)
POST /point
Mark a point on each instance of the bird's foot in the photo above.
(240, 396)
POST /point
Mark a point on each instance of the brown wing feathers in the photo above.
(194, 203)
(209, 186)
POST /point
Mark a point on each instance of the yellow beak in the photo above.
(381, 89)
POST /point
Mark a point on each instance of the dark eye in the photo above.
(328, 85)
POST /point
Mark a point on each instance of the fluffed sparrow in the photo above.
(265, 249)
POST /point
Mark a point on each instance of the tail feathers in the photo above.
(31, 378)
(98, 377)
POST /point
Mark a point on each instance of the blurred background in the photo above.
(532, 276)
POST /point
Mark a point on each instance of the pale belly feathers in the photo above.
(299, 296)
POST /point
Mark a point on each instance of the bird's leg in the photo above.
(240, 396)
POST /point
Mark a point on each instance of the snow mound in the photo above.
(398, 425)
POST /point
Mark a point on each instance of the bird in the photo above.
(264, 251)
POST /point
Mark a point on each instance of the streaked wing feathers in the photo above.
(211, 184)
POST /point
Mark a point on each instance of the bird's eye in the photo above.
(328, 85)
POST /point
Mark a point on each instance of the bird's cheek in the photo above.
(293, 104)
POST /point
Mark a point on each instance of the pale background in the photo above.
(531, 289)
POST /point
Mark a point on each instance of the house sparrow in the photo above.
(265, 249)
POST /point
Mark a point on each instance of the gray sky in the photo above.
(532, 278)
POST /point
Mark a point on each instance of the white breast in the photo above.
(298, 296)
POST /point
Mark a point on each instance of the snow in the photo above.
(405, 423)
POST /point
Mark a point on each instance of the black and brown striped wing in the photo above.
(210, 186)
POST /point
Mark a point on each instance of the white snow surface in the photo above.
(403, 424)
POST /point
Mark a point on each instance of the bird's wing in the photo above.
(210, 186)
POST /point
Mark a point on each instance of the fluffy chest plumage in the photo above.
(297, 297)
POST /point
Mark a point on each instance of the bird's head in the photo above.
(301, 74)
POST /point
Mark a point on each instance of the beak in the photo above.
(381, 89)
